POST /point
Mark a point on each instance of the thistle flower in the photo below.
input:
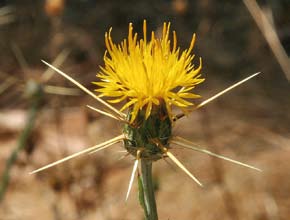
(151, 77)
(148, 73)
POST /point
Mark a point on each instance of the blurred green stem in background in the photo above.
(35, 94)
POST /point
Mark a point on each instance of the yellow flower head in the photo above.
(148, 73)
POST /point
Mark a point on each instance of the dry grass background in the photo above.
(250, 124)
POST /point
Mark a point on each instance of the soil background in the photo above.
(250, 124)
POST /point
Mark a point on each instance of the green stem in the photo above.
(148, 194)
(22, 141)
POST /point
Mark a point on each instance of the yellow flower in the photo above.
(147, 73)
(152, 76)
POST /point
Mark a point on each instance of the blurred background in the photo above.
(43, 117)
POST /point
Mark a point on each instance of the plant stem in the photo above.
(22, 141)
(149, 203)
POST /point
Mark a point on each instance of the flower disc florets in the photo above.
(147, 73)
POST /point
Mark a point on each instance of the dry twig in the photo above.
(270, 35)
